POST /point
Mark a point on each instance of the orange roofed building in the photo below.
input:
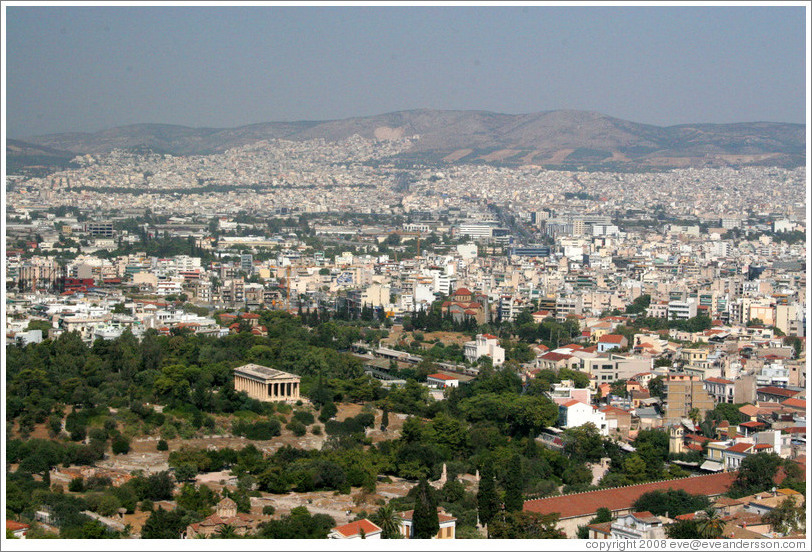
(363, 528)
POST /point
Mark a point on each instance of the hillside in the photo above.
(551, 138)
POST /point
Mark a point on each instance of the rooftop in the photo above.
(262, 372)
(622, 498)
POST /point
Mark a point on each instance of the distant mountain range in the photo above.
(554, 139)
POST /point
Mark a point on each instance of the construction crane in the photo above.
(418, 234)
(287, 283)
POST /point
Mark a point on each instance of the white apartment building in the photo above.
(484, 345)
(576, 413)
(682, 310)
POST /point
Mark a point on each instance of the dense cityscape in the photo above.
(314, 339)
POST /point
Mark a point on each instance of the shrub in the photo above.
(327, 411)
(98, 482)
(121, 445)
(304, 417)
(76, 485)
(259, 431)
(268, 510)
(147, 505)
(315, 430)
(78, 434)
(297, 427)
(162, 445)
(97, 434)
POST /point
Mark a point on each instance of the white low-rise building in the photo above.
(484, 345)
(576, 413)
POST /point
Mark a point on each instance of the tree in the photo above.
(683, 529)
(787, 517)
(602, 515)
(121, 445)
(186, 471)
(525, 525)
(671, 502)
(385, 419)
(425, 520)
(386, 518)
(514, 484)
(656, 387)
(487, 499)
(226, 532)
(710, 524)
(163, 525)
(756, 474)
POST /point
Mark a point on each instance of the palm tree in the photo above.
(226, 532)
(387, 520)
(695, 415)
(710, 524)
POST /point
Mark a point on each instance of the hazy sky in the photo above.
(90, 68)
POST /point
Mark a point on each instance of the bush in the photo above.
(78, 434)
(327, 411)
(98, 482)
(97, 434)
(162, 445)
(268, 510)
(304, 417)
(121, 445)
(108, 505)
(297, 427)
(315, 430)
(77, 485)
(147, 505)
(258, 431)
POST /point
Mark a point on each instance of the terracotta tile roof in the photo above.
(12, 525)
(622, 498)
(573, 402)
(739, 447)
(605, 528)
(611, 338)
(718, 380)
(752, 425)
(615, 410)
(795, 403)
(355, 527)
(555, 357)
(441, 377)
(778, 391)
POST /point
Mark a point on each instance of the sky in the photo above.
(84, 69)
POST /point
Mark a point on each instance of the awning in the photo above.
(710, 465)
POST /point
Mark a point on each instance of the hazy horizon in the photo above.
(86, 69)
